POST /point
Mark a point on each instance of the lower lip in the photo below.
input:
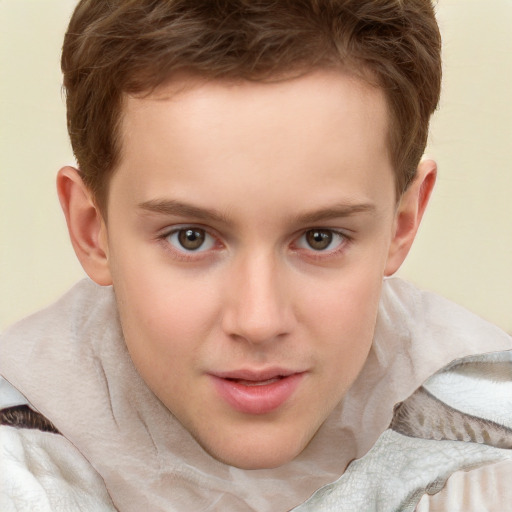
(260, 399)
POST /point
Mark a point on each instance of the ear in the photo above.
(86, 227)
(409, 214)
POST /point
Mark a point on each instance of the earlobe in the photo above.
(409, 214)
(87, 229)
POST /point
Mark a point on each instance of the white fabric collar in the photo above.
(71, 363)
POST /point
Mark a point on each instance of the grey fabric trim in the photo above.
(425, 416)
(22, 416)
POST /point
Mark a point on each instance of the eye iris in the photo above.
(319, 239)
(191, 239)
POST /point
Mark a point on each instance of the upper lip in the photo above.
(255, 375)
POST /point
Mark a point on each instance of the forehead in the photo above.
(259, 134)
(321, 90)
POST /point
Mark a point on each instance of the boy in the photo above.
(249, 172)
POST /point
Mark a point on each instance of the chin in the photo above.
(262, 459)
(255, 451)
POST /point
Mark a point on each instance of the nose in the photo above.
(258, 305)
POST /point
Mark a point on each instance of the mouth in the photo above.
(257, 392)
(244, 382)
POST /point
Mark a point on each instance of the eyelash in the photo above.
(184, 255)
(343, 242)
(191, 255)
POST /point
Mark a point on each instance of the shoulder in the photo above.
(41, 470)
(71, 327)
(427, 310)
(421, 319)
(483, 489)
(83, 304)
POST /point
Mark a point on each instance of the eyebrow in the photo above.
(180, 209)
(335, 212)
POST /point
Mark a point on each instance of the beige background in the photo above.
(464, 250)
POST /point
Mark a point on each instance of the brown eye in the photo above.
(191, 239)
(319, 239)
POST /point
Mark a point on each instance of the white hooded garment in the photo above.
(120, 448)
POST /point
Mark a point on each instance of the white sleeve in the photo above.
(9, 395)
(44, 472)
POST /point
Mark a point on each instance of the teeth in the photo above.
(257, 382)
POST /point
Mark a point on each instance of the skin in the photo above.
(258, 168)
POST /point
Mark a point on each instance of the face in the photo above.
(248, 233)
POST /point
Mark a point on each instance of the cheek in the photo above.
(344, 317)
(347, 303)
(165, 315)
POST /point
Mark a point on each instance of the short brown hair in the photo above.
(119, 47)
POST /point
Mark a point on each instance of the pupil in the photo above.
(319, 239)
(191, 239)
